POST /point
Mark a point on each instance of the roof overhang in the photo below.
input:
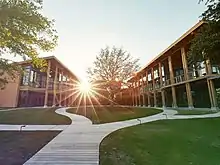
(190, 31)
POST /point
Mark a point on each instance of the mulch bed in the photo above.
(17, 147)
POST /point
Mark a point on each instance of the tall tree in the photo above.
(113, 66)
(24, 32)
(206, 43)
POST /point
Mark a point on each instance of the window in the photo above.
(26, 75)
(149, 77)
(32, 76)
(156, 74)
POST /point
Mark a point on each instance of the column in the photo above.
(55, 87)
(139, 94)
(154, 89)
(208, 66)
(61, 89)
(144, 104)
(135, 91)
(171, 70)
(163, 98)
(65, 92)
(211, 87)
(161, 85)
(186, 76)
(172, 82)
(47, 84)
(72, 95)
(148, 94)
(212, 92)
(132, 94)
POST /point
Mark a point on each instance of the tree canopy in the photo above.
(113, 64)
(25, 31)
(112, 67)
(206, 43)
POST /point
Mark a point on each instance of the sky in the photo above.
(142, 27)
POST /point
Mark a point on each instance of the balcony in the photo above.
(42, 84)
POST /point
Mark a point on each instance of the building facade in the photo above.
(53, 87)
(168, 81)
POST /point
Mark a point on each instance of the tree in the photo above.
(24, 32)
(206, 43)
(113, 67)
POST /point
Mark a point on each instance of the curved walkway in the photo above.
(79, 143)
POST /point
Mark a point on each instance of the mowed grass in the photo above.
(35, 116)
(112, 114)
(194, 112)
(166, 142)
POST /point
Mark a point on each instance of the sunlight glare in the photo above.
(85, 87)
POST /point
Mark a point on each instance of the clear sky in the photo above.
(142, 27)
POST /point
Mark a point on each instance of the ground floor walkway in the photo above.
(79, 142)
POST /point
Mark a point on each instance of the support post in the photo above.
(154, 89)
(213, 95)
(135, 89)
(171, 70)
(65, 91)
(163, 99)
(132, 94)
(47, 84)
(61, 89)
(211, 87)
(144, 104)
(174, 97)
(139, 93)
(186, 76)
(161, 84)
(55, 87)
(147, 92)
(172, 82)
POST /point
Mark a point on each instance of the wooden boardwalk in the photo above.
(79, 143)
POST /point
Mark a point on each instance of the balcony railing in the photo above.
(42, 84)
(179, 78)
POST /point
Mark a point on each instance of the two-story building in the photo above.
(168, 80)
(53, 87)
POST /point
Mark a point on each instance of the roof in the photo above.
(196, 26)
(52, 58)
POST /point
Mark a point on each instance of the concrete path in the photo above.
(11, 127)
(79, 143)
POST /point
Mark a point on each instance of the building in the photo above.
(53, 87)
(168, 81)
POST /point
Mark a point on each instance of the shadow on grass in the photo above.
(168, 142)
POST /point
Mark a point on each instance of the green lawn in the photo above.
(167, 142)
(194, 112)
(44, 116)
(113, 114)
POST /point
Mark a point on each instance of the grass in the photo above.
(194, 112)
(18, 147)
(113, 114)
(167, 142)
(34, 116)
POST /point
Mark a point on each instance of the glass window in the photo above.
(163, 72)
(149, 77)
(32, 76)
(156, 75)
(25, 78)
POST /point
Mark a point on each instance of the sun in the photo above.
(85, 87)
